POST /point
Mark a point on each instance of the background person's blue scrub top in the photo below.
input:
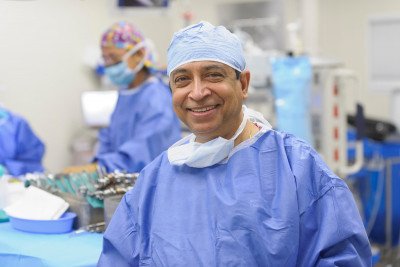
(21, 151)
(142, 126)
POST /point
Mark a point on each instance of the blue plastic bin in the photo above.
(367, 181)
(61, 225)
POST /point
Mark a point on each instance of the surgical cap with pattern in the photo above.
(205, 42)
(124, 35)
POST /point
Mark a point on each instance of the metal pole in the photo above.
(388, 189)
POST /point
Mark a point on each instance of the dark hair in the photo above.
(237, 74)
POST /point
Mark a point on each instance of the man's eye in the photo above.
(180, 79)
(214, 76)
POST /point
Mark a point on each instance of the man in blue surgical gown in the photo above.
(143, 123)
(235, 192)
(21, 151)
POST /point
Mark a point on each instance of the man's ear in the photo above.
(244, 82)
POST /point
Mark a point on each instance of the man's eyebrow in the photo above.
(177, 71)
(216, 67)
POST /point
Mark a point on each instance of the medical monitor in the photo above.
(383, 53)
(143, 3)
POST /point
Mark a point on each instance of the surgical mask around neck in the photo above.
(200, 155)
(120, 74)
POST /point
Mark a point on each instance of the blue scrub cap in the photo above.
(204, 41)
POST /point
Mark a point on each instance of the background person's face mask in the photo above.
(3, 116)
(120, 74)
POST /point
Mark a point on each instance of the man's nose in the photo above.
(199, 90)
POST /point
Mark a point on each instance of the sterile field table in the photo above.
(18, 248)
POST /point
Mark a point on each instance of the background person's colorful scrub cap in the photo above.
(204, 41)
(124, 35)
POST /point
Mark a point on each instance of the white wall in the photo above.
(342, 32)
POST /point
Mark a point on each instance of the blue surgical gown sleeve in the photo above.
(120, 242)
(21, 150)
(331, 229)
(104, 141)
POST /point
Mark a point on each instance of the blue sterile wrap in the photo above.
(291, 86)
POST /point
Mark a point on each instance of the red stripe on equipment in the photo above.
(335, 90)
(335, 111)
(336, 133)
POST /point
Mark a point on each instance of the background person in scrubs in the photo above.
(21, 151)
(235, 192)
(143, 123)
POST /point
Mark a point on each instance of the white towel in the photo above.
(37, 204)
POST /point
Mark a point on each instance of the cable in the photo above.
(378, 194)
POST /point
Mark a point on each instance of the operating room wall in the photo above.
(43, 44)
(343, 35)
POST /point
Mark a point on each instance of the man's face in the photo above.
(208, 98)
